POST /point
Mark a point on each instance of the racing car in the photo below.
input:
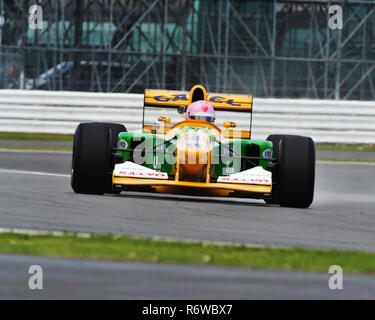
(192, 155)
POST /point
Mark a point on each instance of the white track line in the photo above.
(38, 173)
(41, 232)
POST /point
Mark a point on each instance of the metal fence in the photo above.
(266, 48)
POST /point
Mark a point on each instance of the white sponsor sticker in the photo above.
(244, 180)
(135, 174)
(255, 175)
(133, 170)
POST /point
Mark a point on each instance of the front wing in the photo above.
(121, 181)
(256, 180)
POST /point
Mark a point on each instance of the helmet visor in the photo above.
(205, 118)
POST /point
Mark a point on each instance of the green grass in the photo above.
(122, 248)
(35, 136)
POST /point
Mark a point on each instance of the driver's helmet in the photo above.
(200, 110)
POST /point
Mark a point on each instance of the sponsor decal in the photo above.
(267, 153)
(122, 144)
(249, 174)
(183, 97)
(255, 175)
(133, 173)
(133, 170)
(219, 99)
(244, 180)
(174, 97)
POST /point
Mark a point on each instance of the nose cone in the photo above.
(193, 149)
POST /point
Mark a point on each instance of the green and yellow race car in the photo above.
(191, 155)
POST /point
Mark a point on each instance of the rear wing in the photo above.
(174, 99)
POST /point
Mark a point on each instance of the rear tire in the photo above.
(296, 175)
(91, 162)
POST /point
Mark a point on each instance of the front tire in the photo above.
(91, 162)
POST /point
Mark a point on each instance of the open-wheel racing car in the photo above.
(194, 156)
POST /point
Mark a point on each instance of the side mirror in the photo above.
(230, 124)
(165, 119)
(181, 109)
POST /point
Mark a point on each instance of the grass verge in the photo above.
(122, 248)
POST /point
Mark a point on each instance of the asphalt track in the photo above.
(85, 279)
(35, 193)
(342, 215)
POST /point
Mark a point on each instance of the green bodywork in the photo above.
(160, 155)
